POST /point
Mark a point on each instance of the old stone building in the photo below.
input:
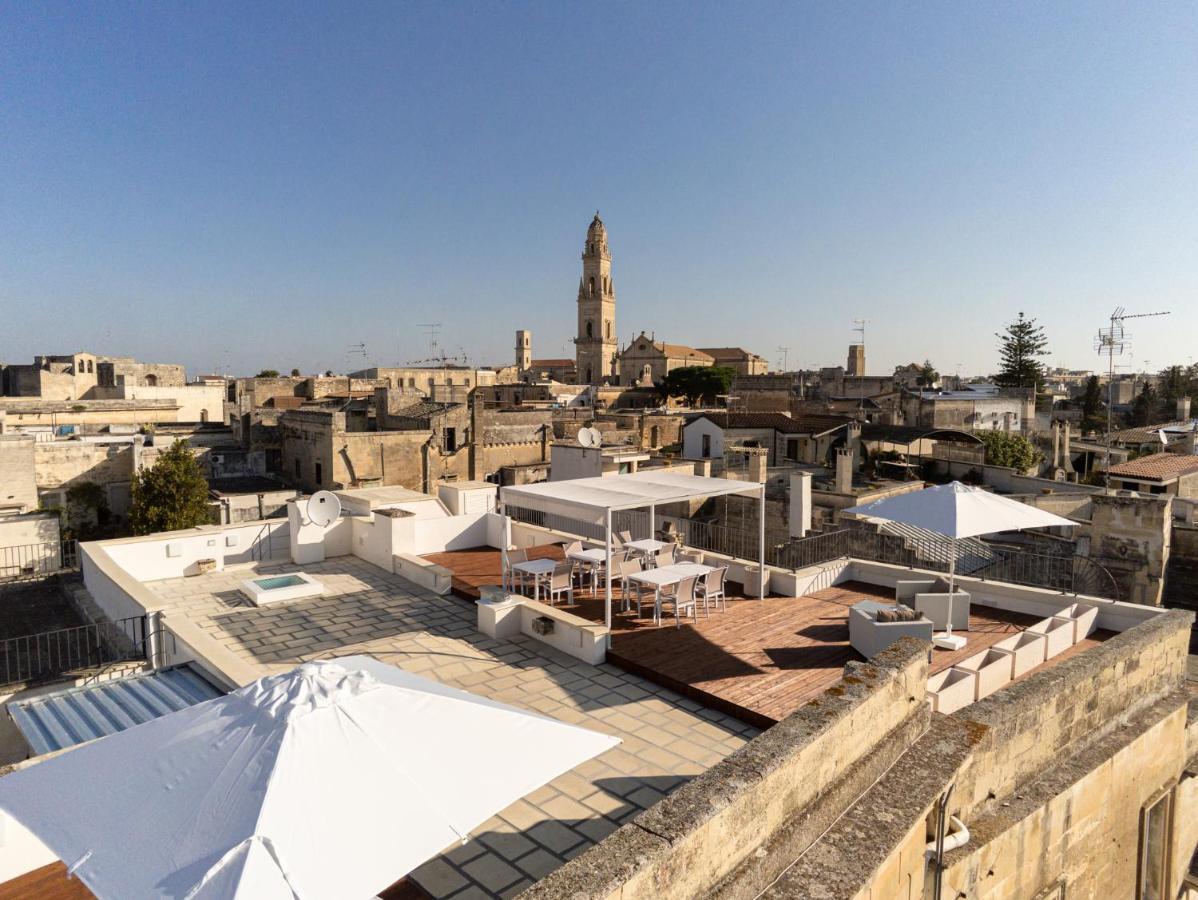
(532, 370)
(595, 344)
(77, 376)
(737, 358)
(645, 361)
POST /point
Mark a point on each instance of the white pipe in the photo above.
(956, 838)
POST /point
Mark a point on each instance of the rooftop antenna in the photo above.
(432, 331)
(1113, 341)
(785, 351)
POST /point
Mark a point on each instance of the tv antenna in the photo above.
(432, 331)
(859, 327)
(1114, 341)
(785, 359)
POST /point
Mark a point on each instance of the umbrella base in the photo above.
(948, 641)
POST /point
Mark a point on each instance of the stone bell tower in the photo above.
(595, 346)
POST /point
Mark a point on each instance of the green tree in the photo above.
(1145, 409)
(1020, 347)
(928, 376)
(87, 507)
(697, 383)
(1093, 406)
(268, 373)
(1011, 450)
(295, 372)
(170, 495)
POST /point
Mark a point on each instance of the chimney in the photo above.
(844, 471)
(853, 439)
(1066, 455)
(1056, 445)
(799, 512)
(1183, 408)
(758, 467)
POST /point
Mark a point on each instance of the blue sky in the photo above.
(254, 185)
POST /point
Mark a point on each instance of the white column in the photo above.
(799, 520)
(652, 520)
(607, 586)
(761, 546)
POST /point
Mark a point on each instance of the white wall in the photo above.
(20, 850)
(197, 402)
(692, 439)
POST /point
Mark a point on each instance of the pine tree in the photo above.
(928, 376)
(1092, 406)
(170, 495)
(1020, 348)
(1144, 407)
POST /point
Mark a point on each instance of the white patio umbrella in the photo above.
(958, 511)
(333, 780)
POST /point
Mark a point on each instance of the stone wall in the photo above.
(1130, 537)
(18, 485)
(1035, 723)
(703, 830)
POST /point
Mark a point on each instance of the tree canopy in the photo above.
(697, 383)
(1021, 346)
(171, 494)
(268, 373)
(928, 376)
(1011, 450)
(1145, 409)
(1093, 406)
(295, 372)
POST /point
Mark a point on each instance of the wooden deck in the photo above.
(47, 883)
(761, 659)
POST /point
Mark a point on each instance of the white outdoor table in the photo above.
(665, 576)
(536, 568)
(646, 547)
(592, 559)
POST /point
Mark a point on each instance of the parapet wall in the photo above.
(707, 827)
(1034, 723)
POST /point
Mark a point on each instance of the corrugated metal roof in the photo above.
(86, 712)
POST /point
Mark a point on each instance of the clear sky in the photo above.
(252, 185)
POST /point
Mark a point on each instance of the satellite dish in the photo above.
(323, 508)
(584, 437)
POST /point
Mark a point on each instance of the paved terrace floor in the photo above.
(666, 738)
(761, 659)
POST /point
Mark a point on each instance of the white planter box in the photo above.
(1058, 635)
(1027, 651)
(992, 669)
(951, 690)
(1085, 620)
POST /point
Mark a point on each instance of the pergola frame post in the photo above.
(761, 547)
(607, 585)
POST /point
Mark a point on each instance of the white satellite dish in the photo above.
(590, 437)
(323, 508)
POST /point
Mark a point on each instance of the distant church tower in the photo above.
(595, 346)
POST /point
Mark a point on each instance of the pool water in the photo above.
(279, 581)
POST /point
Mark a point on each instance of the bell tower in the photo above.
(595, 345)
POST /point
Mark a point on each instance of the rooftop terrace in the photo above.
(666, 738)
(761, 659)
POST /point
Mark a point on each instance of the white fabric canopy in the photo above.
(594, 496)
(959, 511)
(332, 780)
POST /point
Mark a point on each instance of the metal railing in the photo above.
(31, 562)
(51, 654)
(1066, 573)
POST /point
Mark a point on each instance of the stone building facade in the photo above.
(595, 345)
(645, 361)
(77, 376)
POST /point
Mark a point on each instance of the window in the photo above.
(592, 285)
(451, 440)
(90, 367)
(707, 446)
(590, 330)
(792, 449)
(1156, 836)
(151, 381)
(607, 328)
(298, 473)
(319, 473)
(411, 382)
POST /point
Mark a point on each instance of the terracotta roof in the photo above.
(1143, 434)
(683, 351)
(727, 352)
(552, 363)
(1157, 467)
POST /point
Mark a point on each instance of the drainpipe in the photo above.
(945, 841)
(154, 639)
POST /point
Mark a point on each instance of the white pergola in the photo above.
(593, 500)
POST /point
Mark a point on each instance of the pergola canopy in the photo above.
(591, 498)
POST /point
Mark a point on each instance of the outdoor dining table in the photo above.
(592, 559)
(646, 547)
(665, 576)
(537, 568)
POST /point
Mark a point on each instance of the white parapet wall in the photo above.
(510, 615)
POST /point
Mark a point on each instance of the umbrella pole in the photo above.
(607, 586)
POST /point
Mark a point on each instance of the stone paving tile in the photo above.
(666, 739)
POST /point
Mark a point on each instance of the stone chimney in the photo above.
(1183, 408)
(799, 510)
(844, 470)
(1056, 445)
(758, 467)
(1066, 455)
(853, 439)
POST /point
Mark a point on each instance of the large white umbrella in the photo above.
(958, 511)
(332, 780)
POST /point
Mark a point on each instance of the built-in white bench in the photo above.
(503, 615)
